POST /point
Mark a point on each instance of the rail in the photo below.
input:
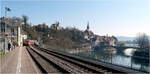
(80, 65)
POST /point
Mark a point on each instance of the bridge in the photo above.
(119, 48)
(35, 59)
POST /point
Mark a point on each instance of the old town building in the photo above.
(56, 26)
(99, 40)
(88, 34)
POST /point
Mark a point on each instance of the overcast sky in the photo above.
(112, 17)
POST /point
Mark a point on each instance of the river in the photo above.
(123, 59)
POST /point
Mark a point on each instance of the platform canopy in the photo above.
(11, 22)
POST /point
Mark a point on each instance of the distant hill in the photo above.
(123, 38)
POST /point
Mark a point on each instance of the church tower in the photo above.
(87, 33)
(88, 28)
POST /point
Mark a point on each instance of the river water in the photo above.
(123, 58)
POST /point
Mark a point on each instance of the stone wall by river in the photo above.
(79, 50)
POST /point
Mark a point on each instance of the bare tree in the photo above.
(143, 41)
(25, 19)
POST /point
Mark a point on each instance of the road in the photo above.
(18, 61)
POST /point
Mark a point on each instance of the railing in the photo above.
(111, 60)
(132, 65)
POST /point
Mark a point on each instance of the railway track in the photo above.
(73, 65)
(44, 64)
(65, 64)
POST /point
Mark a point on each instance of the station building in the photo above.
(11, 31)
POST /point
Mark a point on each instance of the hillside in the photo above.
(64, 37)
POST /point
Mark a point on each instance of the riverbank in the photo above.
(141, 54)
(71, 51)
(79, 50)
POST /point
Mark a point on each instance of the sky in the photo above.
(112, 17)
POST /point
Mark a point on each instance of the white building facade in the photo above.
(11, 30)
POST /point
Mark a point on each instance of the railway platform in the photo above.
(18, 61)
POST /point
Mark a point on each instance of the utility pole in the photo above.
(6, 30)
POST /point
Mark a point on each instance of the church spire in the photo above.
(88, 26)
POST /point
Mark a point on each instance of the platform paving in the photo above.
(18, 61)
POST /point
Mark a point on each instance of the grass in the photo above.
(1, 54)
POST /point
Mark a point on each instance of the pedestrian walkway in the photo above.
(18, 61)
